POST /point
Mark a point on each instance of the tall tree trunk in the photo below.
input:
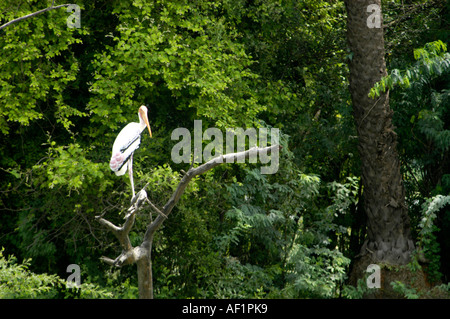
(388, 227)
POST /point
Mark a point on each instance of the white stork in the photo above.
(126, 143)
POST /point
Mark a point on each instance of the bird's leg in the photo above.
(130, 173)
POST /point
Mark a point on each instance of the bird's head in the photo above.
(143, 116)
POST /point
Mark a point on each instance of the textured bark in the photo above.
(145, 276)
(388, 227)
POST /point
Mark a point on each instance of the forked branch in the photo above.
(132, 254)
(129, 254)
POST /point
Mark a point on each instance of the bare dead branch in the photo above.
(107, 260)
(141, 255)
(191, 173)
(129, 254)
(125, 258)
(33, 14)
(156, 208)
(137, 202)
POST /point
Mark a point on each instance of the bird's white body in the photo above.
(126, 143)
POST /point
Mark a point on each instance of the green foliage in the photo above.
(120, 286)
(315, 272)
(405, 290)
(427, 239)
(358, 292)
(37, 66)
(315, 268)
(421, 118)
(68, 167)
(177, 49)
(18, 282)
(254, 210)
(344, 195)
(240, 281)
(295, 228)
(432, 61)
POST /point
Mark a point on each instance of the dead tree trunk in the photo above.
(141, 255)
(145, 277)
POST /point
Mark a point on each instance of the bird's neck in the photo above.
(141, 124)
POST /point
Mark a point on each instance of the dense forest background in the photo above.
(236, 233)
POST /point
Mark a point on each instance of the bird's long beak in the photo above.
(148, 125)
(143, 113)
